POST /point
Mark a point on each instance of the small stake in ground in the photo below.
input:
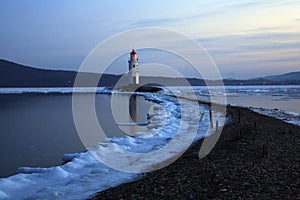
(211, 119)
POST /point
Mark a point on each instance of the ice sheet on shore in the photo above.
(281, 92)
(83, 176)
(290, 117)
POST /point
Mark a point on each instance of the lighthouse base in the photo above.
(134, 88)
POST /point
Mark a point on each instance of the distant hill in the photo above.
(284, 77)
(16, 75)
(292, 78)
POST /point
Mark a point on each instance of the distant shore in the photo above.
(256, 157)
(17, 75)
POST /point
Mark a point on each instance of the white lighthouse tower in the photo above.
(133, 74)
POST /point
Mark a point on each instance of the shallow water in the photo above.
(278, 101)
(172, 127)
(38, 129)
(284, 97)
(268, 97)
(266, 101)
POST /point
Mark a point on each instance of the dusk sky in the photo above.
(245, 38)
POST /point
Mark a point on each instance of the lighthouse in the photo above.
(133, 74)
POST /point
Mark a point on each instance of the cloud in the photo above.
(169, 21)
(253, 53)
(205, 10)
(247, 4)
(283, 3)
(152, 22)
(220, 8)
(253, 41)
(281, 60)
(263, 29)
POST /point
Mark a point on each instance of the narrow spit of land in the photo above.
(256, 157)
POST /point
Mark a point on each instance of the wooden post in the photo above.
(217, 126)
(211, 119)
(202, 116)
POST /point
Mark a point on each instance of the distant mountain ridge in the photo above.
(17, 75)
(283, 77)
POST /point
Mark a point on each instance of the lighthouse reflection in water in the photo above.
(134, 108)
(131, 115)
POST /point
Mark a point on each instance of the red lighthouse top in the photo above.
(133, 54)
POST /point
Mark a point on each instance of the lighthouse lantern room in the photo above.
(133, 73)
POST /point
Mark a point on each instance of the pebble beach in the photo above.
(256, 157)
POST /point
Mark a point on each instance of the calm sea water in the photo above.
(38, 129)
(268, 97)
(286, 97)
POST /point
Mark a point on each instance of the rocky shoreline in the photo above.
(256, 157)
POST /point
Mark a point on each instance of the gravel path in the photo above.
(258, 158)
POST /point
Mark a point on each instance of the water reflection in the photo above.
(46, 125)
(130, 115)
(134, 108)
